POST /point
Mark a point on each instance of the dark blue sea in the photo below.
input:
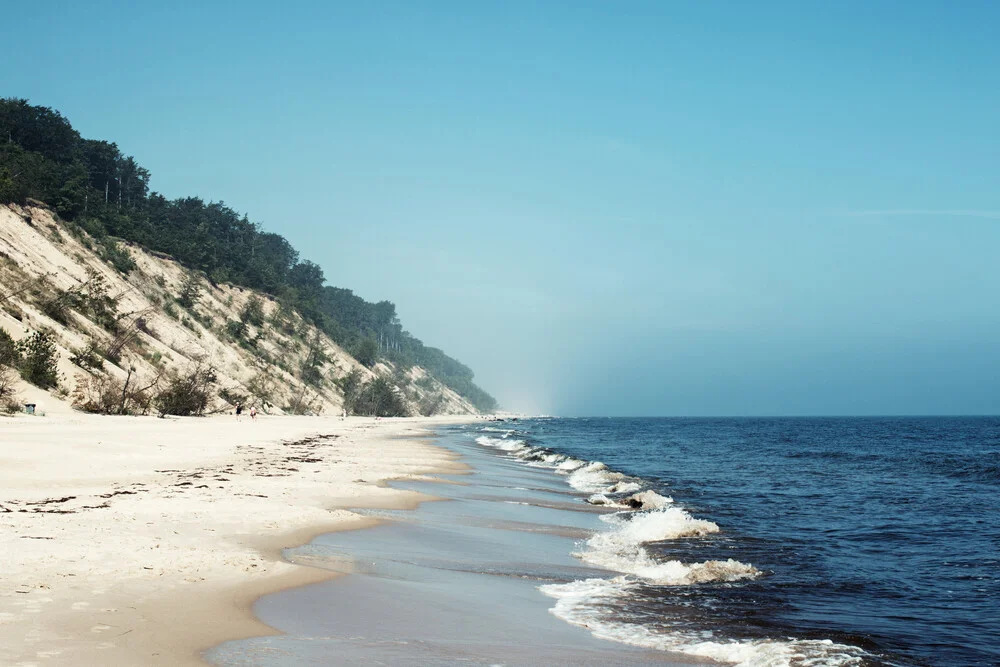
(832, 541)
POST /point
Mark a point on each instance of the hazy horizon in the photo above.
(704, 209)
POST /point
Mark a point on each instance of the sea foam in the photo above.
(621, 548)
(586, 603)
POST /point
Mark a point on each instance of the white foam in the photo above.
(647, 500)
(601, 499)
(570, 464)
(672, 572)
(651, 499)
(585, 602)
(667, 523)
(620, 549)
(595, 477)
(501, 443)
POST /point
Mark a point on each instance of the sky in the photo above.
(628, 208)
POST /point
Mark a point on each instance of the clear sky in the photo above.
(618, 208)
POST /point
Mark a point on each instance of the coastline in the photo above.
(146, 541)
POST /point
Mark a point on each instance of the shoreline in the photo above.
(171, 542)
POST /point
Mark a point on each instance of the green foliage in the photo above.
(350, 385)
(57, 305)
(89, 358)
(190, 291)
(10, 355)
(236, 330)
(114, 254)
(107, 193)
(94, 301)
(38, 359)
(253, 312)
(312, 365)
(366, 352)
(379, 398)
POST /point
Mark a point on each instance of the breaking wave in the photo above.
(646, 517)
(590, 603)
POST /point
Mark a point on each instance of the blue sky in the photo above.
(603, 208)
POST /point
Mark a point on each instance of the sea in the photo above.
(805, 541)
(839, 542)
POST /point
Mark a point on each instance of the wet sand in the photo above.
(144, 541)
(451, 582)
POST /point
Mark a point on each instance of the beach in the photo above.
(136, 540)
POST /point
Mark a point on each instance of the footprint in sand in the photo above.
(100, 627)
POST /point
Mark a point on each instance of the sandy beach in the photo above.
(136, 540)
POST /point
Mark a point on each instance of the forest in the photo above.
(90, 183)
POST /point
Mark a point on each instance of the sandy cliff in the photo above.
(41, 258)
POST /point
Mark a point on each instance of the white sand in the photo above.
(143, 541)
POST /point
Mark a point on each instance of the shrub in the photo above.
(9, 401)
(235, 329)
(430, 404)
(57, 306)
(108, 395)
(114, 254)
(9, 354)
(312, 366)
(253, 312)
(190, 291)
(93, 300)
(350, 384)
(379, 398)
(188, 393)
(126, 335)
(38, 359)
(262, 386)
(303, 404)
(89, 358)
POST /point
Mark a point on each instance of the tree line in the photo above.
(92, 184)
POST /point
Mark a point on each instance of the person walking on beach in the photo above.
(253, 413)
(239, 410)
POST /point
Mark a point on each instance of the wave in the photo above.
(646, 517)
(647, 500)
(591, 603)
(621, 549)
(595, 477)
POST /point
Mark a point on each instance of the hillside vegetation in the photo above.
(109, 273)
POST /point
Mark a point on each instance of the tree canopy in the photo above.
(91, 183)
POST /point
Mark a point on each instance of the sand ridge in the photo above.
(137, 540)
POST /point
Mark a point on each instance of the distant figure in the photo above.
(344, 416)
(239, 410)
(253, 413)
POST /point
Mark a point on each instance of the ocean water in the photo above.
(834, 541)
